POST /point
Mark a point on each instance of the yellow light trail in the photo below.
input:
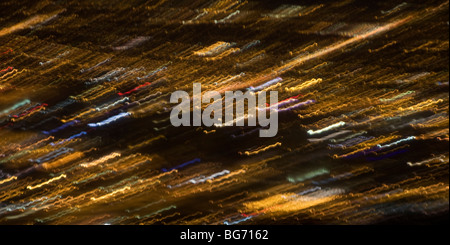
(28, 23)
(8, 179)
(47, 182)
(101, 160)
(249, 153)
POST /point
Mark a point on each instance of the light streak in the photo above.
(230, 79)
(108, 76)
(428, 161)
(132, 43)
(292, 107)
(53, 155)
(229, 175)
(71, 123)
(396, 142)
(135, 89)
(342, 45)
(228, 17)
(30, 111)
(250, 45)
(213, 49)
(148, 142)
(330, 136)
(109, 120)
(62, 161)
(46, 182)
(316, 188)
(196, 160)
(397, 96)
(351, 142)
(73, 119)
(204, 179)
(333, 126)
(121, 190)
(261, 149)
(309, 175)
(153, 73)
(95, 66)
(13, 71)
(348, 137)
(237, 221)
(69, 139)
(26, 23)
(271, 82)
(8, 179)
(101, 160)
(285, 102)
(156, 212)
(105, 107)
(9, 68)
(7, 51)
(14, 107)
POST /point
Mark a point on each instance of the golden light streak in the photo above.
(47, 182)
